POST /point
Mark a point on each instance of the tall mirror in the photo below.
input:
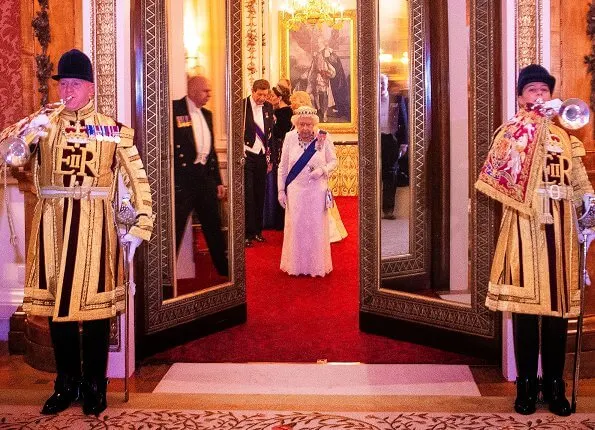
(199, 137)
(393, 125)
(434, 73)
(190, 145)
(401, 201)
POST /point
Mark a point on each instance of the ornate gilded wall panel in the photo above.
(104, 53)
(344, 180)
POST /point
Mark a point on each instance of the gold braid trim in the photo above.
(137, 183)
(581, 183)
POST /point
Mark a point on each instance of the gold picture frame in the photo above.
(320, 58)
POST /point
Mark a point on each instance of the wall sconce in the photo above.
(404, 58)
(385, 58)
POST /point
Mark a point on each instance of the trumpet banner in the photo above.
(510, 172)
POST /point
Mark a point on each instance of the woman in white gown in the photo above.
(308, 158)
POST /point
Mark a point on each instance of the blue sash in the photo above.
(301, 163)
(260, 134)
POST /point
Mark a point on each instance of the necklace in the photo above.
(303, 143)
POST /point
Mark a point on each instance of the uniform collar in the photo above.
(83, 113)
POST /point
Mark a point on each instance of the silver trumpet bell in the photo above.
(574, 114)
(15, 151)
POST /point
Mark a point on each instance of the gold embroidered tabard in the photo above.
(74, 264)
(535, 265)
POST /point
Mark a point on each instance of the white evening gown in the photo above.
(306, 242)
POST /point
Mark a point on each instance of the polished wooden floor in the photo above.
(15, 373)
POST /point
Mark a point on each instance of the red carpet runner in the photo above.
(304, 319)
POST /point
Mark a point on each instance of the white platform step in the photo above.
(321, 379)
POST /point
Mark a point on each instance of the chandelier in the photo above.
(313, 12)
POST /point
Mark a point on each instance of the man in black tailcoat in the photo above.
(198, 185)
(394, 144)
(259, 151)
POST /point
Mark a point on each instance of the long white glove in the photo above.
(316, 173)
(282, 197)
(133, 242)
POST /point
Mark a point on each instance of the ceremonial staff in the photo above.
(585, 221)
(125, 218)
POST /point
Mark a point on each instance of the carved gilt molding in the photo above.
(41, 31)
(251, 39)
(104, 54)
(529, 24)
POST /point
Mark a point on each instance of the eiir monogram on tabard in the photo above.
(75, 160)
(557, 170)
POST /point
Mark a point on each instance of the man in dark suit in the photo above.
(259, 150)
(393, 142)
(198, 185)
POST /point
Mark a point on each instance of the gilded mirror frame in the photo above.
(475, 319)
(153, 117)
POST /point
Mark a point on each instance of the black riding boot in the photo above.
(94, 396)
(526, 351)
(95, 355)
(66, 391)
(65, 339)
(553, 354)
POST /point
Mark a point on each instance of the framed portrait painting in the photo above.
(320, 59)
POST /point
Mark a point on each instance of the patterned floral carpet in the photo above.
(27, 417)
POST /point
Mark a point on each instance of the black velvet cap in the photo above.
(535, 73)
(74, 64)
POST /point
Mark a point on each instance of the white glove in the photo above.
(588, 234)
(587, 197)
(282, 197)
(553, 104)
(133, 243)
(316, 173)
(40, 120)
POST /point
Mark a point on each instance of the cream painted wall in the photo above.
(12, 256)
(175, 52)
(508, 110)
(458, 51)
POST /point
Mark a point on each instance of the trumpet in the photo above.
(16, 140)
(572, 113)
